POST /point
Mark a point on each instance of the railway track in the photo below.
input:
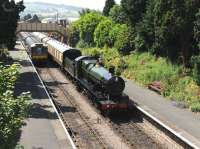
(134, 136)
(76, 122)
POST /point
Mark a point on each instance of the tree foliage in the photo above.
(9, 15)
(121, 37)
(108, 5)
(84, 11)
(134, 9)
(73, 34)
(118, 15)
(195, 60)
(197, 29)
(13, 109)
(164, 27)
(27, 17)
(87, 25)
(101, 34)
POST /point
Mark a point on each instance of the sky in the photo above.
(92, 4)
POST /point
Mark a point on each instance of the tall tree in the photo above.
(174, 23)
(84, 11)
(9, 15)
(108, 5)
(134, 9)
(118, 15)
(197, 29)
(28, 16)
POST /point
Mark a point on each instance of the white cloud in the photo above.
(92, 4)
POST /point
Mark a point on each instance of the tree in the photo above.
(167, 29)
(118, 15)
(27, 17)
(173, 24)
(145, 35)
(74, 34)
(101, 34)
(84, 11)
(121, 36)
(134, 9)
(9, 16)
(87, 25)
(108, 5)
(197, 29)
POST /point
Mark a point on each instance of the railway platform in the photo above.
(43, 129)
(182, 121)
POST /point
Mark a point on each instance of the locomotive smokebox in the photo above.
(115, 86)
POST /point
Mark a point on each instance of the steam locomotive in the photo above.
(104, 88)
(36, 49)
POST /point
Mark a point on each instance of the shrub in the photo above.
(82, 44)
(101, 34)
(120, 36)
(92, 52)
(13, 109)
(195, 107)
(114, 32)
(195, 60)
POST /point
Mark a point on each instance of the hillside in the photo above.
(44, 10)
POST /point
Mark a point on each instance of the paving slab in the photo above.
(43, 129)
(182, 121)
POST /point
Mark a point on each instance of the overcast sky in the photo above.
(92, 4)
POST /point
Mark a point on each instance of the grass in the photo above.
(145, 68)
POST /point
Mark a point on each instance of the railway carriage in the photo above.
(36, 49)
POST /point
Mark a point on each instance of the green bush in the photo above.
(91, 51)
(87, 25)
(82, 44)
(13, 109)
(120, 35)
(115, 31)
(195, 107)
(101, 34)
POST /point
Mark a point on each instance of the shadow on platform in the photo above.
(29, 81)
(42, 112)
